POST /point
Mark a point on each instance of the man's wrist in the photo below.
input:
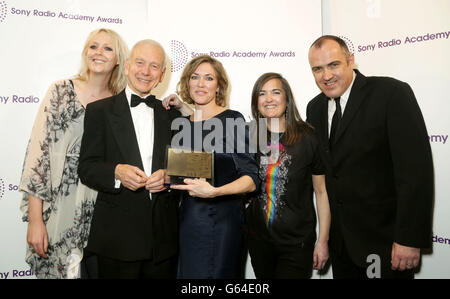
(117, 180)
(116, 172)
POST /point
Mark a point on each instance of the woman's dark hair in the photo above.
(295, 126)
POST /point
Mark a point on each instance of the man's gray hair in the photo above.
(152, 43)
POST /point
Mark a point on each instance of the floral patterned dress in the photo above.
(50, 173)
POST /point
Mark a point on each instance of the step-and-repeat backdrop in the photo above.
(41, 42)
(408, 40)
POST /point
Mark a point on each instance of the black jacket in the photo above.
(379, 172)
(126, 224)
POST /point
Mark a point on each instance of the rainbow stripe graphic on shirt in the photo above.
(271, 184)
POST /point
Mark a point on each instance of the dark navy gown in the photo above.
(211, 229)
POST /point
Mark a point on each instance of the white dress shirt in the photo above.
(142, 116)
(343, 102)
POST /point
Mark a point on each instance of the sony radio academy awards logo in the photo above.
(180, 54)
(349, 43)
(2, 188)
(3, 11)
(414, 39)
(71, 13)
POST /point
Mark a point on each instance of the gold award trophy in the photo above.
(182, 164)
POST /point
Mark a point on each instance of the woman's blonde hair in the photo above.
(118, 80)
(222, 79)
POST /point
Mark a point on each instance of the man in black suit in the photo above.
(134, 226)
(379, 167)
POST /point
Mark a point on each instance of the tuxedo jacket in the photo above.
(126, 225)
(379, 171)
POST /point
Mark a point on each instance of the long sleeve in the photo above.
(47, 150)
(413, 168)
(93, 169)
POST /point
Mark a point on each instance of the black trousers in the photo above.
(344, 268)
(271, 261)
(146, 269)
(89, 265)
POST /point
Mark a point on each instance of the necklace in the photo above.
(276, 140)
(281, 136)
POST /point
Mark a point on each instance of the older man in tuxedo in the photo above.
(134, 226)
(379, 167)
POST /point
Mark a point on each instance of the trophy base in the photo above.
(177, 180)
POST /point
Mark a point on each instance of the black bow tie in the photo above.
(149, 101)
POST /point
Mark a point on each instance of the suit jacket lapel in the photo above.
(353, 104)
(161, 137)
(123, 130)
(323, 119)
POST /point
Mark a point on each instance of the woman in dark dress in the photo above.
(211, 216)
(281, 220)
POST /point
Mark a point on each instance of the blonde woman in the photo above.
(57, 207)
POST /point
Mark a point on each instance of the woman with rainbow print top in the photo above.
(281, 219)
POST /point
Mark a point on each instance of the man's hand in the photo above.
(155, 182)
(172, 100)
(131, 177)
(404, 257)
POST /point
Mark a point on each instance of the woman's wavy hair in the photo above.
(222, 79)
